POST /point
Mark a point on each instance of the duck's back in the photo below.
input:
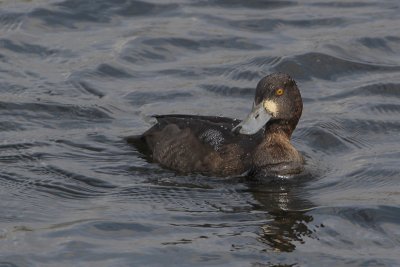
(202, 144)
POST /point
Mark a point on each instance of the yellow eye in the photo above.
(279, 92)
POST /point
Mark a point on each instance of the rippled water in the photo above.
(77, 76)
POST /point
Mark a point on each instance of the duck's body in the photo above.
(223, 146)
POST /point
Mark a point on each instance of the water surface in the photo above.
(76, 77)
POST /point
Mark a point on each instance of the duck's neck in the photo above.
(281, 125)
(276, 148)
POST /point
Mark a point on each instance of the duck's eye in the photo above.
(279, 92)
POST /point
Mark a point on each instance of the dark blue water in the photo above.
(77, 76)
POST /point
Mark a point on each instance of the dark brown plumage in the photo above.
(223, 146)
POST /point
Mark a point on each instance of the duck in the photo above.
(259, 145)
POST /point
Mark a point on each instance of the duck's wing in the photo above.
(171, 118)
(196, 143)
(211, 130)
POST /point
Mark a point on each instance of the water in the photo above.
(76, 77)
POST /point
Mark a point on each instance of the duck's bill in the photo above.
(254, 121)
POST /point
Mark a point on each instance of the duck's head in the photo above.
(277, 99)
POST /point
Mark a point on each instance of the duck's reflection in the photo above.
(288, 221)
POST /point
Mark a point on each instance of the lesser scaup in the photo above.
(259, 145)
